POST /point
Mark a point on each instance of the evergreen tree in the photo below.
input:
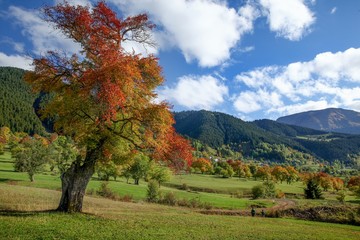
(312, 190)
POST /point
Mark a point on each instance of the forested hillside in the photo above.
(215, 133)
(266, 139)
(16, 102)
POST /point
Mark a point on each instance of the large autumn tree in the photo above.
(104, 95)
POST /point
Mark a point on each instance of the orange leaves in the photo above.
(105, 92)
(176, 151)
(203, 164)
(112, 97)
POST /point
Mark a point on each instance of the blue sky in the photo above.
(253, 59)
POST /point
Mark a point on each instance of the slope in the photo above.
(331, 120)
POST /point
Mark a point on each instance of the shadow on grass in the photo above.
(357, 201)
(2, 170)
(4, 179)
(16, 213)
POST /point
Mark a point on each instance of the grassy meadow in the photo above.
(26, 212)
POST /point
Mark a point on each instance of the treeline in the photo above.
(16, 103)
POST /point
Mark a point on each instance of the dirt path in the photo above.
(281, 204)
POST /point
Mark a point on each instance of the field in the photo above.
(25, 212)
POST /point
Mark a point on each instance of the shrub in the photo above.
(169, 199)
(126, 198)
(185, 187)
(258, 191)
(105, 191)
(340, 196)
(279, 194)
(153, 191)
(269, 189)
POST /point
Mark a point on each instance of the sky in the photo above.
(253, 59)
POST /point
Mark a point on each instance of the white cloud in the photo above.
(18, 61)
(196, 92)
(75, 2)
(331, 77)
(205, 30)
(251, 101)
(333, 10)
(290, 19)
(303, 107)
(41, 34)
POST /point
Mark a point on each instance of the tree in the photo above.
(202, 164)
(269, 189)
(104, 95)
(63, 153)
(279, 173)
(139, 168)
(257, 191)
(312, 190)
(30, 157)
(159, 173)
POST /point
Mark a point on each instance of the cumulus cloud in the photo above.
(329, 77)
(18, 61)
(204, 30)
(42, 35)
(196, 92)
(290, 19)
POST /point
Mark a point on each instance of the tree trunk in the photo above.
(31, 176)
(75, 180)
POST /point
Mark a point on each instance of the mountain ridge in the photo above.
(329, 119)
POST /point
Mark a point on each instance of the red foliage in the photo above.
(176, 152)
(354, 182)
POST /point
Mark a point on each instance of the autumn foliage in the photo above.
(104, 95)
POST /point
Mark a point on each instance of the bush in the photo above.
(153, 191)
(340, 196)
(169, 199)
(184, 186)
(126, 198)
(269, 189)
(105, 191)
(279, 194)
(258, 191)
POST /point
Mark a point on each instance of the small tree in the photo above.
(312, 190)
(269, 189)
(160, 174)
(257, 191)
(30, 157)
(139, 168)
(153, 192)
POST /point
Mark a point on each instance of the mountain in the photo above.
(265, 139)
(16, 103)
(212, 132)
(331, 120)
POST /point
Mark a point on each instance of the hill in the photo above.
(331, 120)
(266, 139)
(216, 133)
(16, 103)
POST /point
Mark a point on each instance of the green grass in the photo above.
(106, 219)
(229, 185)
(121, 188)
